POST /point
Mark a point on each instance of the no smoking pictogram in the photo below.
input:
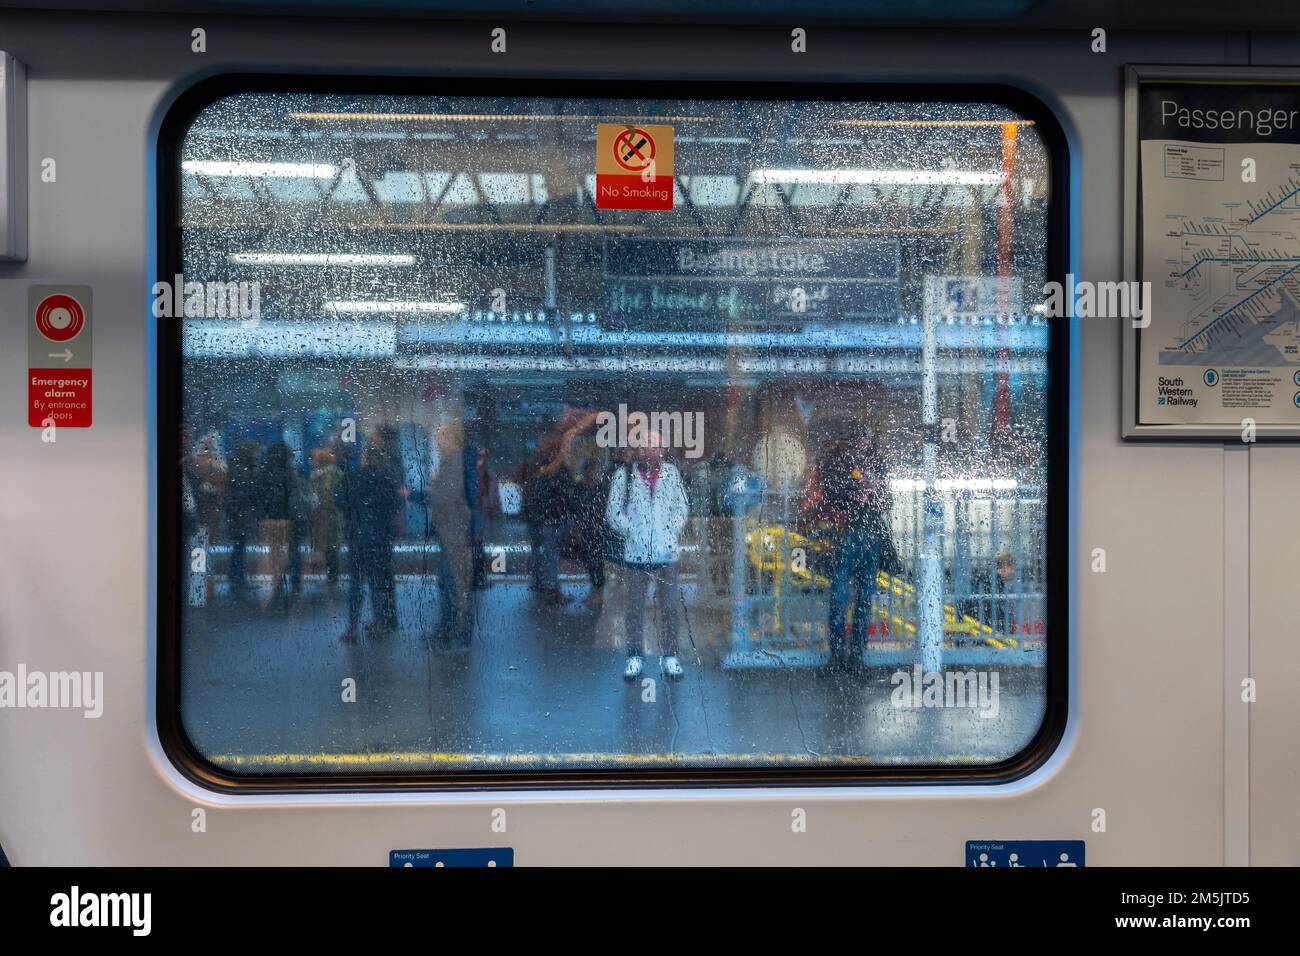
(634, 149)
(634, 166)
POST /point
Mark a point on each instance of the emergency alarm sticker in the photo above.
(634, 166)
(59, 356)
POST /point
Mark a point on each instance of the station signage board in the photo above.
(727, 283)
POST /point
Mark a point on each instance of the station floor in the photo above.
(262, 691)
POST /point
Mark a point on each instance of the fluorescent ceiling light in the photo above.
(956, 484)
(559, 363)
(901, 122)
(331, 117)
(222, 339)
(203, 167)
(442, 308)
(884, 177)
(503, 227)
(321, 259)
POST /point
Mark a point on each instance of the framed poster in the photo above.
(1212, 223)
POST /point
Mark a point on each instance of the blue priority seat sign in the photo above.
(1023, 853)
(477, 856)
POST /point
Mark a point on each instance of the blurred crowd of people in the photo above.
(580, 503)
(344, 500)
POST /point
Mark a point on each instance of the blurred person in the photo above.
(648, 509)
(621, 460)
(210, 479)
(1004, 580)
(549, 504)
(847, 498)
(547, 497)
(718, 525)
(585, 531)
(450, 522)
(280, 495)
(484, 507)
(326, 521)
(385, 439)
(188, 482)
(373, 503)
(527, 478)
(210, 472)
(348, 458)
(196, 592)
(996, 588)
(243, 512)
(546, 506)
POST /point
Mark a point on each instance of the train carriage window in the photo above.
(724, 453)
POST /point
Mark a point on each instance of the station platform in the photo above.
(533, 687)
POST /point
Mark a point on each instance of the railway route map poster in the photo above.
(1218, 241)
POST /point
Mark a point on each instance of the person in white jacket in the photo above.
(648, 509)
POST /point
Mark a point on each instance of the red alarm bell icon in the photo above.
(60, 317)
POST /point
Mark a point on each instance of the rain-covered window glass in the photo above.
(482, 470)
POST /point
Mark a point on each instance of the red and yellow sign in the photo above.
(634, 166)
(59, 356)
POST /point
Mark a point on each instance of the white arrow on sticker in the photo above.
(66, 355)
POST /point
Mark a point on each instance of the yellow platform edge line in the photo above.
(474, 761)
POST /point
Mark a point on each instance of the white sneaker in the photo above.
(672, 668)
(633, 669)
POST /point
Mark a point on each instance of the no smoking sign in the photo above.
(634, 166)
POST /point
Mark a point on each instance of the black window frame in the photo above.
(193, 765)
